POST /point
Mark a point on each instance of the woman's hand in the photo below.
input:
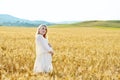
(49, 44)
(51, 52)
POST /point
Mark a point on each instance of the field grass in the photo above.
(81, 53)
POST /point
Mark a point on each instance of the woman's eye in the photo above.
(44, 29)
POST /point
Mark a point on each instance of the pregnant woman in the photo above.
(44, 51)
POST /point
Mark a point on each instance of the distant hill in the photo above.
(8, 20)
(98, 23)
(92, 23)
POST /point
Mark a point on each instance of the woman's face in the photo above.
(42, 30)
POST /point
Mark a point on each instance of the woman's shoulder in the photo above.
(38, 35)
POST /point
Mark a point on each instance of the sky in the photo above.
(62, 10)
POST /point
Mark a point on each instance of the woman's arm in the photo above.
(49, 44)
(40, 41)
(51, 52)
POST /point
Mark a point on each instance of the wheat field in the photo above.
(83, 53)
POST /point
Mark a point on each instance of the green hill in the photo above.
(110, 23)
(95, 23)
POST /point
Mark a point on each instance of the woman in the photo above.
(44, 51)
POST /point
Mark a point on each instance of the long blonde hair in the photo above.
(42, 25)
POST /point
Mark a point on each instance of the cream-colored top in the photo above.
(42, 45)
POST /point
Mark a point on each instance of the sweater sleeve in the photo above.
(40, 41)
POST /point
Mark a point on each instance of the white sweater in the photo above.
(43, 61)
